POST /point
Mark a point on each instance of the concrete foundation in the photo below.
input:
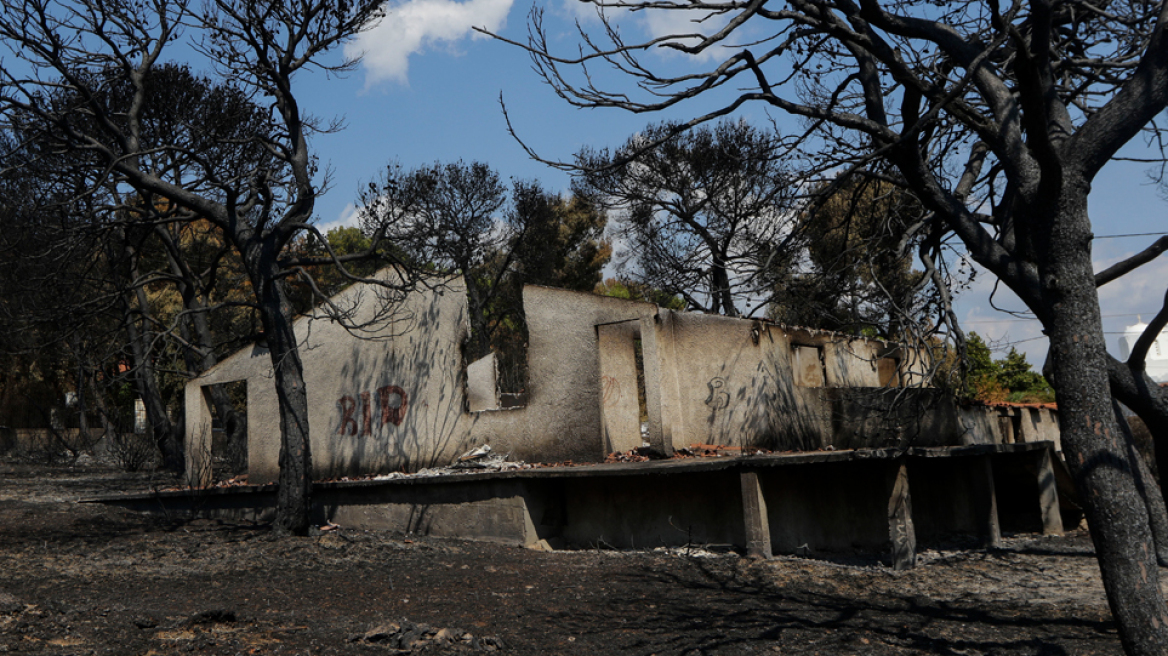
(879, 501)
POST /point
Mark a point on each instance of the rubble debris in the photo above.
(483, 458)
(718, 451)
(706, 551)
(407, 636)
(477, 453)
(646, 453)
(479, 459)
(642, 453)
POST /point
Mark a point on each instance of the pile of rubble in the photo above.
(645, 453)
(484, 459)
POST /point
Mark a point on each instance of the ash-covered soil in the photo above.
(87, 579)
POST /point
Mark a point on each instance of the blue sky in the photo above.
(428, 90)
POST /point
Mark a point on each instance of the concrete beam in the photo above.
(900, 522)
(660, 435)
(985, 500)
(1052, 520)
(754, 517)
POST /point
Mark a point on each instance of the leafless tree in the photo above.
(60, 53)
(706, 214)
(997, 117)
(454, 225)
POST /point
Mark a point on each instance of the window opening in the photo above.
(888, 370)
(228, 403)
(503, 333)
(810, 370)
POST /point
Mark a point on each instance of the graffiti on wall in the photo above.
(387, 413)
(719, 398)
(610, 390)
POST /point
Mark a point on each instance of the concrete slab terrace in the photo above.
(874, 501)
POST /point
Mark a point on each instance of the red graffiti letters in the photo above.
(348, 404)
(390, 414)
(366, 415)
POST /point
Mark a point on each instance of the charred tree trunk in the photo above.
(1148, 400)
(146, 384)
(1149, 490)
(720, 279)
(165, 433)
(294, 498)
(1098, 455)
(135, 306)
(479, 343)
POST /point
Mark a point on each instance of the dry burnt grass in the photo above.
(78, 578)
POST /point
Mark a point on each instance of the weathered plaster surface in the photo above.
(395, 395)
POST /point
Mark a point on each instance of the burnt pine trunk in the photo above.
(146, 383)
(166, 433)
(1098, 455)
(479, 344)
(1134, 389)
(1143, 396)
(294, 497)
(720, 288)
(135, 305)
(1149, 490)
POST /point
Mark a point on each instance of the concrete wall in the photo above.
(562, 419)
(744, 383)
(383, 398)
(620, 402)
(1009, 424)
(1036, 424)
(395, 395)
(630, 512)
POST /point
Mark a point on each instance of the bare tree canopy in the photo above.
(84, 72)
(458, 219)
(997, 117)
(860, 263)
(704, 214)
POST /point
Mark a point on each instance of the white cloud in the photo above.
(415, 25)
(348, 218)
(652, 24)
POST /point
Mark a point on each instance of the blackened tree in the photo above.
(997, 117)
(704, 214)
(63, 52)
(460, 220)
(454, 227)
(857, 263)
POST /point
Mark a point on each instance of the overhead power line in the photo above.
(1134, 234)
(1105, 316)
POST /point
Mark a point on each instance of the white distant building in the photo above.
(1157, 360)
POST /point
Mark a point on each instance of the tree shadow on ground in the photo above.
(705, 607)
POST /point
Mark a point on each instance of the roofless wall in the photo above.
(604, 374)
